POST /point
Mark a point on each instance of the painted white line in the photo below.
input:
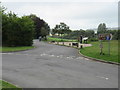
(52, 55)
(103, 77)
(58, 56)
(43, 54)
(68, 57)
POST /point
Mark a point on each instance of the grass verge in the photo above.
(12, 49)
(94, 51)
(7, 86)
(60, 40)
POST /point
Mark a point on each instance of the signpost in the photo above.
(109, 37)
(101, 38)
(105, 37)
(81, 37)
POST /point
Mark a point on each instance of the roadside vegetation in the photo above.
(20, 31)
(94, 51)
(7, 86)
(60, 39)
(12, 49)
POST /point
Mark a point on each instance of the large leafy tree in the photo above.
(101, 28)
(90, 33)
(39, 24)
(115, 33)
(62, 28)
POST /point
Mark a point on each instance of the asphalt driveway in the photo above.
(52, 66)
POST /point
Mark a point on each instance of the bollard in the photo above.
(69, 44)
(77, 45)
(81, 46)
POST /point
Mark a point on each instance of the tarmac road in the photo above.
(52, 66)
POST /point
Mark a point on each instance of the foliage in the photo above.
(89, 33)
(101, 28)
(12, 49)
(60, 40)
(76, 34)
(93, 39)
(41, 27)
(16, 31)
(114, 33)
(7, 86)
(60, 29)
(94, 51)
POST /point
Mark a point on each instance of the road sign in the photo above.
(101, 36)
(109, 37)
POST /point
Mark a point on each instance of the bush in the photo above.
(17, 31)
(93, 39)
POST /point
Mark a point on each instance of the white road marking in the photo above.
(43, 54)
(68, 57)
(103, 77)
(58, 56)
(52, 55)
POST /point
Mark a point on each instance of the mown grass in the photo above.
(60, 40)
(7, 86)
(94, 51)
(10, 49)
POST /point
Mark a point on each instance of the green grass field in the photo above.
(60, 40)
(94, 51)
(10, 49)
(7, 86)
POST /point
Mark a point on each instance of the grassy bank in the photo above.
(7, 86)
(60, 40)
(10, 49)
(94, 51)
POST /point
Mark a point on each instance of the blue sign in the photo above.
(107, 37)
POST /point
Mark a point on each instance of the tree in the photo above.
(81, 32)
(89, 33)
(114, 33)
(16, 31)
(62, 28)
(47, 29)
(44, 33)
(101, 28)
(39, 24)
(53, 32)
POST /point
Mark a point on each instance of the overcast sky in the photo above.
(77, 14)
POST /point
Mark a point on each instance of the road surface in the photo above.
(52, 66)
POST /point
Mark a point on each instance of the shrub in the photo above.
(93, 39)
(17, 31)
